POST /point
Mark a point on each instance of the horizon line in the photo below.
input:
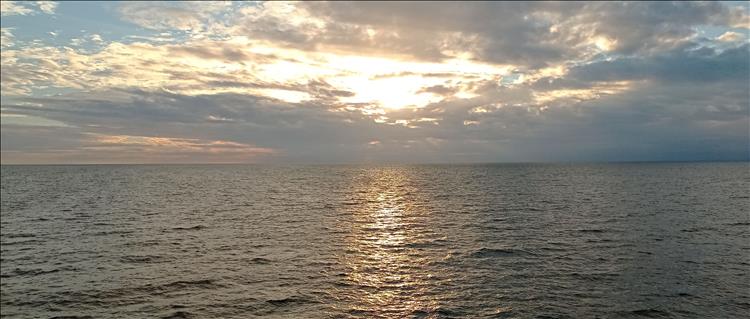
(380, 163)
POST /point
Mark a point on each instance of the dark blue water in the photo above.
(464, 241)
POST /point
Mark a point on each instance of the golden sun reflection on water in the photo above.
(387, 274)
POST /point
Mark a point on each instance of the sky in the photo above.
(374, 82)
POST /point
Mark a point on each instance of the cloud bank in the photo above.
(381, 82)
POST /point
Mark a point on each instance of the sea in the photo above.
(622, 240)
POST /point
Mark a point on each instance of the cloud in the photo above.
(689, 118)
(239, 65)
(67, 145)
(171, 149)
(9, 8)
(687, 64)
(6, 37)
(416, 82)
(530, 34)
(738, 17)
(47, 7)
(160, 16)
(730, 36)
(439, 89)
(648, 27)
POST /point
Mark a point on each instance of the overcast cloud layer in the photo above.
(361, 82)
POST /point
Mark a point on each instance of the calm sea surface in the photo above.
(471, 241)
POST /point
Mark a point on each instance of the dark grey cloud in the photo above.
(649, 26)
(439, 89)
(702, 64)
(532, 34)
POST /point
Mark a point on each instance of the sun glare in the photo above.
(386, 82)
(388, 93)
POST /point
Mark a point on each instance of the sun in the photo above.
(391, 93)
(388, 83)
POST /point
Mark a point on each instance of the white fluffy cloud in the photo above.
(9, 8)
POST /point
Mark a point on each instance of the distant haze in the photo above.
(374, 82)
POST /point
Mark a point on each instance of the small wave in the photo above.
(420, 314)
(178, 315)
(112, 232)
(103, 224)
(547, 248)
(260, 261)
(19, 235)
(182, 284)
(33, 272)
(290, 301)
(499, 252)
(351, 203)
(140, 259)
(134, 293)
(592, 230)
(650, 313)
(360, 313)
(739, 224)
(433, 313)
(425, 244)
(196, 227)
(696, 229)
(593, 276)
(22, 242)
